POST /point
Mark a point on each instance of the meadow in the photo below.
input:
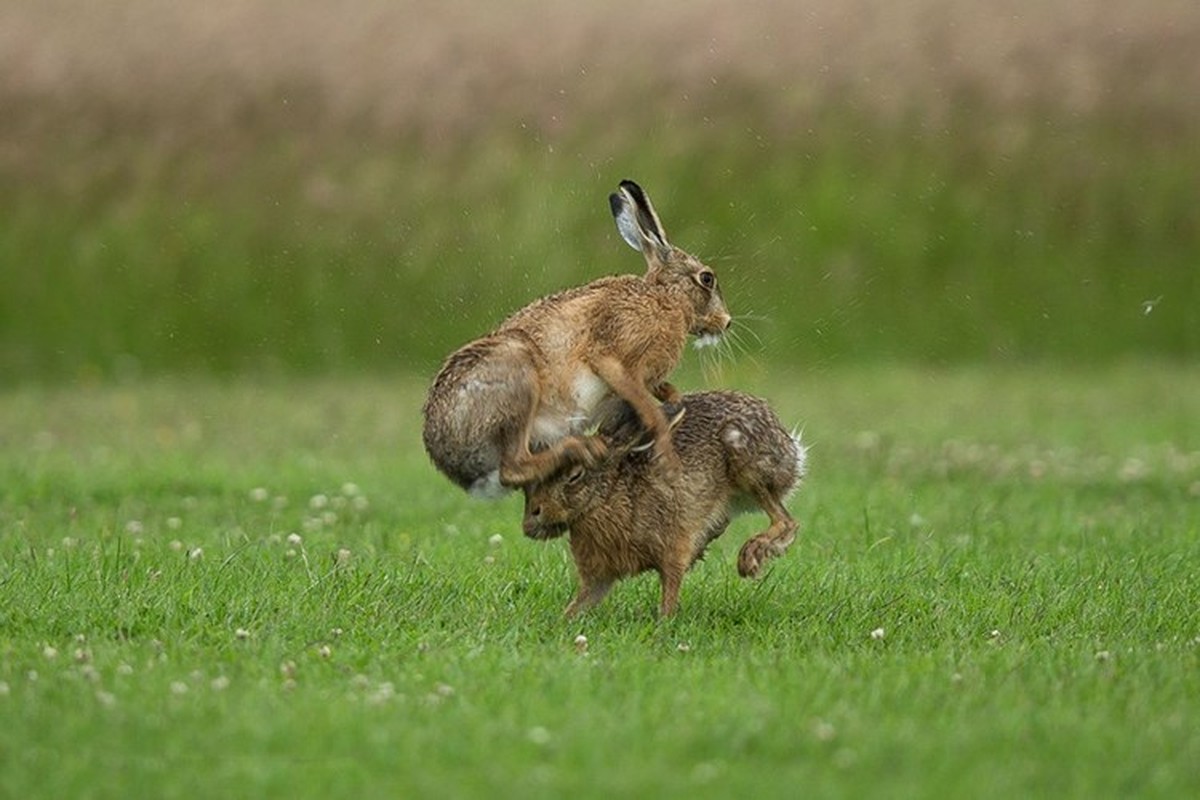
(262, 589)
(961, 246)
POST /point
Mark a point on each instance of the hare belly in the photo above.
(574, 414)
(588, 390)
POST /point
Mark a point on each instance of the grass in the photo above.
(1024, 538)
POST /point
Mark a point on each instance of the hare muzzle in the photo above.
(535, 527)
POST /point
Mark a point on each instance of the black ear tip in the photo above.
(634, 191)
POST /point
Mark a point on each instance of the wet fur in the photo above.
(628, 515)
(514, 406)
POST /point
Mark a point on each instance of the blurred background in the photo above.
(288, 186)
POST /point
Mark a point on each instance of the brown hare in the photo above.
(513, 407)
(627, 515)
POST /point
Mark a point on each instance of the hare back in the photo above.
(742, 436)
(575, 303)
(644, 325)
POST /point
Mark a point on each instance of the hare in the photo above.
(513, 407)
(627, 515)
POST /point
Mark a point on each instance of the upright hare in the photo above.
(627, 515)
(513, 407)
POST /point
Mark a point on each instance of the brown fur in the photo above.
(510, 408)
(627, 515)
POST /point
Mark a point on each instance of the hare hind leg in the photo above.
(772, 542)
(520, 467)
(591, 591)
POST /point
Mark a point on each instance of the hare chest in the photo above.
(570, 409)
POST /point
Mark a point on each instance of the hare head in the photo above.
(552, 505)
(668, 265)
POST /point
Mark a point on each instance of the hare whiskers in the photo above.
(515, 406)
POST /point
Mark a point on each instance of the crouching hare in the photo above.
(627, 515)
(512, 407)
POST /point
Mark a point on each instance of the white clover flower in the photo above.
(878, 634)
(318, 501)
(106, 699)
(343, 556)
(1134, 469)
(174, 523)
(259, 495)
(538, 735)
(220, 683)
(175, 545)
(581, 644)
(495, 539)
(385, 691)
(294, 538)
(324, 651)
(196, 553)
(124, 669)
(178, 688)
(350, 489)
(134, 527)
(50, 653)
(241, 633)
(360, 503)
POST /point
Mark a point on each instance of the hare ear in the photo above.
(637, 222)
(627, 225)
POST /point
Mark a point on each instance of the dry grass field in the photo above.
(246, 183)
(450, 67)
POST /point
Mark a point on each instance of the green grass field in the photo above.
(261, 588)
(237, 237)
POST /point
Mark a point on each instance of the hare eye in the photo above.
(707, 279)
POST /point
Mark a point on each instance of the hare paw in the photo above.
(752, 556)
(668, 459)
